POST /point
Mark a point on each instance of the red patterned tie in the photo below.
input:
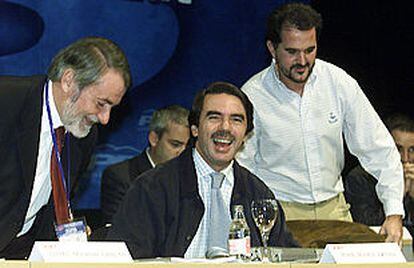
(59, 193)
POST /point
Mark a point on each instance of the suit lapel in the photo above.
(29, 131)
(139, 165)
(188, 174)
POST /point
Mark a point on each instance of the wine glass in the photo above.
(264, 212)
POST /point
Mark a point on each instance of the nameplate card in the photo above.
(362, 253)
(112, 252)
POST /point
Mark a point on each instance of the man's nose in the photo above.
(225, 124)
(104, 116)
(302, 58)
(404, 156)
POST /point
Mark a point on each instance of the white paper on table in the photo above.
(362, 253)
(59, 251)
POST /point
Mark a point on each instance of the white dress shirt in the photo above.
(149, 157)
(297, 144)
(198, 246)
(42, 185)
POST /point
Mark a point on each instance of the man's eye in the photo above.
(176, 145)
(309, 50)
(238, 119)
(291, 51)
(213, 117)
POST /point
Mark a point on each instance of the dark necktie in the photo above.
(59, 194)
(219, 218)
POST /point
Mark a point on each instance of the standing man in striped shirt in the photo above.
(303, 108)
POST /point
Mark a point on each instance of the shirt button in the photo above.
(188, 237)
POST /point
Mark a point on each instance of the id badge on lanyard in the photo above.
(73, 229)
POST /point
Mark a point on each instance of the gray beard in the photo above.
(72, 121)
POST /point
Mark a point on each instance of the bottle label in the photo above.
(240, 246)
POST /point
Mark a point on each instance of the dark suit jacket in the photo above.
(162, 210)
(116, 180)
(21, 100)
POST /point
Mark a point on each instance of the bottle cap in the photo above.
(238, 208)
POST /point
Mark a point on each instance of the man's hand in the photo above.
(392, 227)
(409, 178)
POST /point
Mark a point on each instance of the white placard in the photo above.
(362, 253)
(112, 252)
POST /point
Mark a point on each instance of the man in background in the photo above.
(168, 136)
(84, 81)
(360, 185)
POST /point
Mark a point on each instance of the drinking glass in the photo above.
(264, 212)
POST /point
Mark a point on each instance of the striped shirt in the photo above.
(297, 146)
(198, 246)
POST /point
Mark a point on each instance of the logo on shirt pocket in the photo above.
(332, 118)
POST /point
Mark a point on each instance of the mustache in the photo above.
(94, 119)
(300, 66)
(222, 134)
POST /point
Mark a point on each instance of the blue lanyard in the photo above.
(67, 147)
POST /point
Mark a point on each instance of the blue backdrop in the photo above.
(174, 49)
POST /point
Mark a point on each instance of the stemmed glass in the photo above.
(264, 212)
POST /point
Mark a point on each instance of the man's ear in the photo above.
(194, 130)
(271, 48)
(153, 138)
(67, 81)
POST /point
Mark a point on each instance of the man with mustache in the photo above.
(303, 108)
(167, 210)
(84, 81)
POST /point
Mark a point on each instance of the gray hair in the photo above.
(90, 58)
(173, 113)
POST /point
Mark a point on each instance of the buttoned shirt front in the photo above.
(297, 144)
(42, 185)
(198, 246)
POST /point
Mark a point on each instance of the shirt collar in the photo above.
(149, 157)
(57, 122)
(204, 169)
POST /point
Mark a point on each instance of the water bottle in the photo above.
(239, 235)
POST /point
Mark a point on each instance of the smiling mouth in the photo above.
(223, 145)
(86, 122)
(89, 121)
(222, 141)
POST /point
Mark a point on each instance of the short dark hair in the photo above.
(90, 58)
(172, 113)
(399, 121)
(219, 88)
(298, 15)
